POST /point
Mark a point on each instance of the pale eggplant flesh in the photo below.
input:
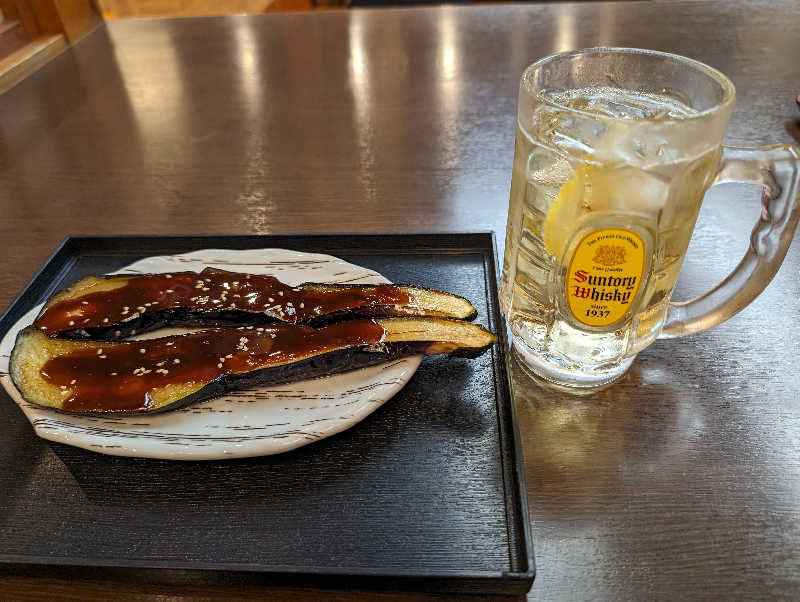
(115, 307)
(134, 377)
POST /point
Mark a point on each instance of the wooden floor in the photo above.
(115, 9)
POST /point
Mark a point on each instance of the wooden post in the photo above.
(50, 25)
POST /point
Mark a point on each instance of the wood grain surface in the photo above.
(682, 480)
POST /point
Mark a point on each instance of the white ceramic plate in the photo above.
(255, 422)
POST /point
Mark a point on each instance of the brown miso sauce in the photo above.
(120, 377)
(212, 290)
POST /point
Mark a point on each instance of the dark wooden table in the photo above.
(683, 480)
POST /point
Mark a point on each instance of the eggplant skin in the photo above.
(327, 364)
(98, 378)
(108, 308)
(170, 317)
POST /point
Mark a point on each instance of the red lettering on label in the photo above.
(582, 292)
(581, 275)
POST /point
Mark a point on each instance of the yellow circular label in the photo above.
(604, 275)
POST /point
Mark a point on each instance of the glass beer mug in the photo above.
(615, 149)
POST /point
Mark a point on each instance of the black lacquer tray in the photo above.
(426, 493)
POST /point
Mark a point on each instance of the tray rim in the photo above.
(516, 508)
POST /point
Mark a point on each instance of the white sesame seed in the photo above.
(72, 322)
(219, 365)
(84, 303)
(117, 333)
(99, 351)
(125, 309)
(170, 344)
(176, 361)
(272, 335)
(280, 293)
(205, 288)
(133, 331)
(260, 329)
(105, 320)
(141, 309)
(102, 357)
(235, 283)
(86, 321)
(167, 275)
(142, 351)
(302, 305)
(169, 290)
(113, 374)
(271, 300)
(161, 363)
(73, 381)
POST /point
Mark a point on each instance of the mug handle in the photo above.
(777, 169)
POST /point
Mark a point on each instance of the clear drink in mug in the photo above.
(615, 149)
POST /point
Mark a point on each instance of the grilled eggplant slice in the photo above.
(134, 377)
(113, 307)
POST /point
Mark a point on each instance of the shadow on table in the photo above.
(601, 450)
(793, 127)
